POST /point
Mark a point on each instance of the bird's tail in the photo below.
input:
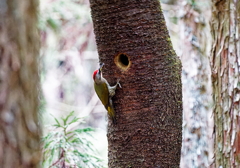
(111, 112)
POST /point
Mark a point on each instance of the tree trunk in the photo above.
(19, 47)
(134, 44)
(197, 150)
(225, 61)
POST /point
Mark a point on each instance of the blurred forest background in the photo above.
(69, 57)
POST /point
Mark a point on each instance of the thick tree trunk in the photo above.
(225, 59)
(19, 46)
(134, 44)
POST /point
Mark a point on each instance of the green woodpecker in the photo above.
(104, 91)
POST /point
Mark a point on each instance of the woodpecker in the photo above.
(105, 92)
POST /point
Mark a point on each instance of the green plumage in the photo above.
(103, 94)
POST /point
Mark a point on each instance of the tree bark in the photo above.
(225, 61)
(19, 48)
(134, 44)
(197, 146)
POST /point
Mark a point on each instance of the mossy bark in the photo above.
(148, 132)
(19, 48)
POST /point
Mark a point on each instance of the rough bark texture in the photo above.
(225, 61)
(19, 46)
(149, 105)
(197, 150)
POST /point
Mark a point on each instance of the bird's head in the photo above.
(98, 73)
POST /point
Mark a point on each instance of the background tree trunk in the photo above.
(225, 61)
(197, 150)
(134, 44)
(19, 47)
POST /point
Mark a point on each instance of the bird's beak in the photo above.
(101, 65)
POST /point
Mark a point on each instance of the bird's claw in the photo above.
(119, 83)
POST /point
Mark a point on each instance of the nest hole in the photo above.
(122, 61)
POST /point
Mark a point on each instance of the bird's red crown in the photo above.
(94, 74)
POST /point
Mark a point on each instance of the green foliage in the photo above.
(69, 148)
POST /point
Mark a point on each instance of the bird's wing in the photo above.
(102, 89)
